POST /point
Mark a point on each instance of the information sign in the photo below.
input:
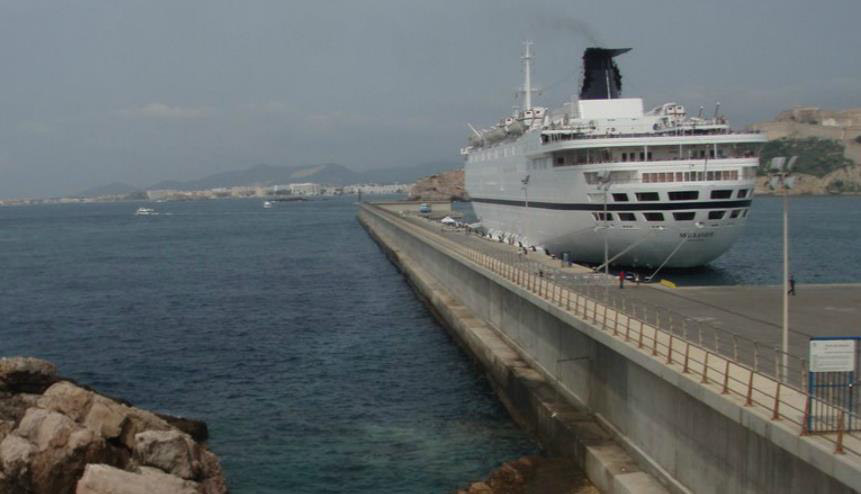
(832, 355)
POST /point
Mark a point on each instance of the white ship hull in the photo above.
(555, 207)
(604, 181)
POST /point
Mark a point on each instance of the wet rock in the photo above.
(171, 451)
(49, 440)
(104, 479)
(26, 374)
(197, 429)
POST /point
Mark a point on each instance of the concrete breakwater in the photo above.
(637, 409)
(57, 437)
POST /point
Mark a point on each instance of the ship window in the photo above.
(710, 176)
(687, 176)
(684, 195)
(649, 156)
(742, 193)
(721, 194)
(642, 156)
(680, 177)
(624, 156)
(620, 197)
(627, 217)
(647, 196)
(560, 160)
(654, 216)
(685, 216)
(716, 215)
(735, 213)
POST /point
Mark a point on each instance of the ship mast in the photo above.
(527, 75)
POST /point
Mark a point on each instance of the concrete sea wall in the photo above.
(625, 417)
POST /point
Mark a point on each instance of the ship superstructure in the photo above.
(662, 188)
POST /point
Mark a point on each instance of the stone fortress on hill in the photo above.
(813, 129)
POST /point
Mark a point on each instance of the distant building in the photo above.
(306, 189)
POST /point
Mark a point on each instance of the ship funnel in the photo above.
(601, 76)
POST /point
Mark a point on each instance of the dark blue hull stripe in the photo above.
(627, 206)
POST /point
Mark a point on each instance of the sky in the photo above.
(139, 91)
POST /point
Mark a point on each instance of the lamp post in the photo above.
(604, 184)
(780, 178)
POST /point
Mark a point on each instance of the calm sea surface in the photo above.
(290, 333)
(285, 329)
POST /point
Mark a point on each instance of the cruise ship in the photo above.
(602, 179)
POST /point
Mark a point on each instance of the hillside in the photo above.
(443, 186)
(828, 144)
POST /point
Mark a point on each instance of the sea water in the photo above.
(285, 329)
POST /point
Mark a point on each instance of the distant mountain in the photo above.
(268, 175)
(112, 189)
(327, 173)
(263, 174)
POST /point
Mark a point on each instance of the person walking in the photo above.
(621, 280)
(792, 285)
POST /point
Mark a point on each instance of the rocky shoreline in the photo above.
(58, 437)
(534, 474)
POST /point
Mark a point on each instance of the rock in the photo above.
(535, 474)
(26, 374)
(49, 440)
(197, 429)
(104, 479)
(58, 450)
(15, 454)
(479, 488)
(67, 398)
(210, 470)
(171, 451)
(116, 421)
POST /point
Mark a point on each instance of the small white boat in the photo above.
(145, 212)
(267, 204)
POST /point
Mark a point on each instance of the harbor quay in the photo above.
(648, 389)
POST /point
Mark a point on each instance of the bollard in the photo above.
(755, 355)
(655, 343)
(775, 414)
(627, 327)
(803, 375)
(669, 349)
(687, 352)
(777, 373)
(839, 449)
(616, 323)
(604, 317)
(805, 427)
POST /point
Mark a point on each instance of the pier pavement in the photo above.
(754, 312)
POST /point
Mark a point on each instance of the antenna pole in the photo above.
(527, 75)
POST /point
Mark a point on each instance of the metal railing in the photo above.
(739, 366)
